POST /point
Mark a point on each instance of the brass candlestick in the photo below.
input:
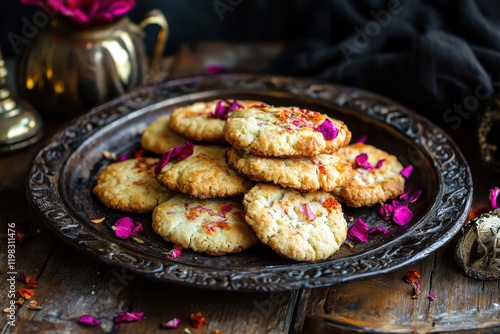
(20, 124)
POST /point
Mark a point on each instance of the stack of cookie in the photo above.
(281, 160)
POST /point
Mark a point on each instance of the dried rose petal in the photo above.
(22, 277)
(234, 106)
(361, 161)
(378, 229)
(362, 139)
(31, 282)
(306, 211)
(174, 253)
(26, 293)
(432, 297)
(214, 69)
(358, 231)
(171, 323)
(417, 288)
(328, 129)
(406, 172)
(125, 316)
(197, 320)
(180, 152)
(386, 211)
(125, 228)
(401, 214)
(473, 213)
(226, 208)
(411, 275)
(380, 163)
(406, 197)
(493, 197)
(221, 110)
(90, 320)
(122, 157)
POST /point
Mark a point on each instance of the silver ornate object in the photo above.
(478, 248)
(20, 124)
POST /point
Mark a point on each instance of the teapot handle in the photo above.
(155, 16)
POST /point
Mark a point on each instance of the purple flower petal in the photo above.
(415, 196)
(215, 69)
(125, 228)
(180, 152)
(406, 172)
(402, 214)
(358, 231)
(221, 110)
(386, 211)
(362, 139)
(362, 162)
(234, 106)
(90, 320)
(417, 287)
(432, 297)
(378, 229)
(174, 253)
(328, 129)
(494, 197)
(171, 324)
(380, 163)
(306, 210)
(125, 316)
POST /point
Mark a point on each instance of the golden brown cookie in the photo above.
(205, 174)
(198, 121)
(299, 226)
(323, 172)
(158, 138)
(284, 132)
(211, 226)
(131, 186)
(371, 184)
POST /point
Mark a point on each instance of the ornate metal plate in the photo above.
(63, 174)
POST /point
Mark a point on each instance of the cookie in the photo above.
(158, 138)
(198, 122)
(323, 172)
(213, 226)
(283, 132)
(205, 174)
(130, 185)
(299, 226)
(371, 184)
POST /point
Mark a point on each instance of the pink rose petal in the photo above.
(226, 208)
(386, 211)
(358, 231)
(174, 253)
(125, 316)
(125, 228)
(306, 210)
(406, 172)
(180, 152)
(401, 214)
(361, 161)
(90, 320)
(214, 69)
(378, 229)
(171, 324)
(432, 297)
(328, 129)
(380, 163)
(415, 196)
(362, 139)
(494, 197)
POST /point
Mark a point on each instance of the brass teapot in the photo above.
(67, 69)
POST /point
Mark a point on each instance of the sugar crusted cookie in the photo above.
(205, 174)
(283, 132)
(323, 172)
(299, 226)
(213, 226)
(371, 185)
(158, 138)
(198, 121)
(131, 186)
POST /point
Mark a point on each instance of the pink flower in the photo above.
(358, 231)
(362, 139)
(87, 11)
(406, 197)
(386, 211)
(493, 197)
(214, 69)
(380, 163)
(432, 297)
(406, 172)
(125, 316)
(171, 324)
(125, 228)
(378, 229)
(180, 152)
(328, 129)
(223, 108)
(89, 320)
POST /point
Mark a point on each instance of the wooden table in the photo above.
(71, 284)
